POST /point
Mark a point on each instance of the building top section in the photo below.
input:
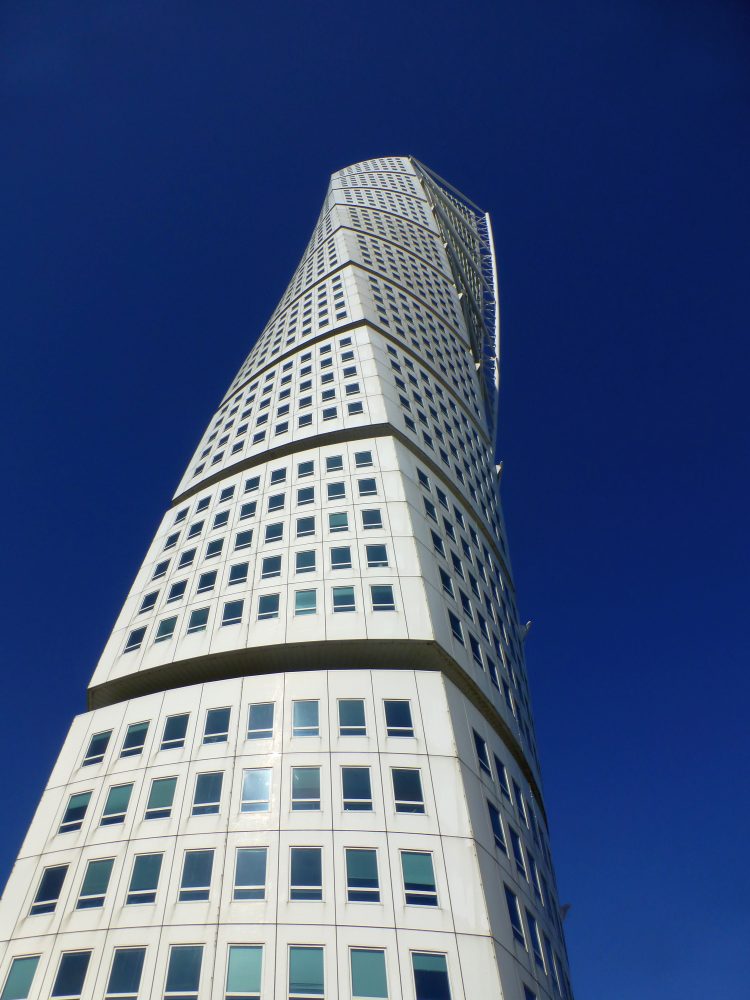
(384, 221)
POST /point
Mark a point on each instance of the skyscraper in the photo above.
(308, 767)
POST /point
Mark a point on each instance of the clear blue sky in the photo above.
(161, 167)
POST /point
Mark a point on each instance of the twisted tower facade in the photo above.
(308, 768)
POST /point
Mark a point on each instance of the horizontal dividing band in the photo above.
(330, 654)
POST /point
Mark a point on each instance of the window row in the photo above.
(270, 567)
(305, 878)
(371, 519)
(305, 721)
(278, 477)
(255, 797)
(283, 427)
(186, 979)
(267, 606)
(274, 532)
(275, 502)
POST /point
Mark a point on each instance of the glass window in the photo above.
(214, 548)
(502, 777)
(337, 522)
(336, 491)
(456, 628)
(248, 510)
(407, 790)
(198, 621)
(160, 798)
(398, 718)
(357, 789)
(207, 797)
(186, 559)
(305, 973)
(243, 540)
(144, 880)
(250, 873)
(244, 972)
(97, 748)
(174, 732)
(202, 504)
(305, 718)
(369, 981)
(274, 532)
(377, 556)
(515, 842)
(196, 876)
(430, 976)
(363, 459)
(305, 469)
(419, 878)
(252, 484)
(514, 913)
(382, 597)
(160, 569)
(135, 739)
(372, 519)
(334, 463)
(260, 721)
(232, 613)
(49, 890)
(21, 975)
(305, 602)
(447, 583)
(125, 975)
(268, 606)
(305, 526)
(306, 881)
(520, 804)
(270, 567)
(341, 557)
(306, 494)
(217, 725)
(483, 755)
(305, 561)
(118, 799)
(71, 974)
(367, 487)
(276, 502)
(135, 639)
(343, 599)
(278, 476)
(497, 828)
(206, 582)
(305, 788)
(95, 884)
(352, 717)
(362, 885)
(184, 972)
(256, 790)
(75, 812)
(536, 940)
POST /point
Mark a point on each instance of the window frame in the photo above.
(256, 805)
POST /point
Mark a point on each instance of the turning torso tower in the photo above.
(308, 769)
